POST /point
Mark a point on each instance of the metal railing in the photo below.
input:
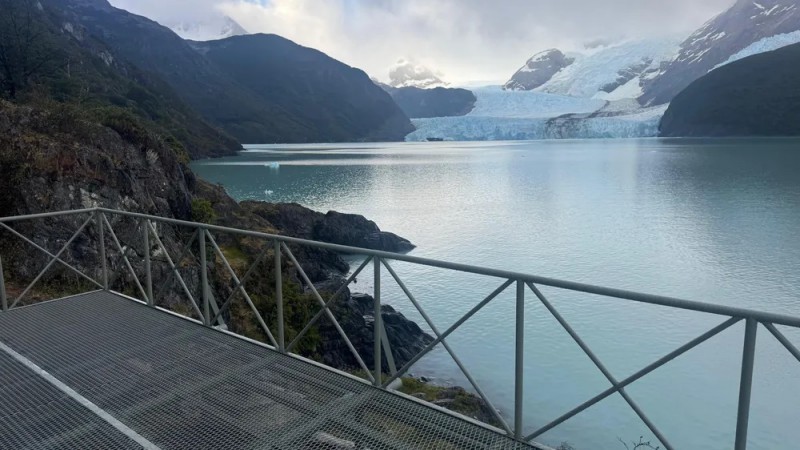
(210, 312)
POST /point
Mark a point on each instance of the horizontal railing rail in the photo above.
(211, 312)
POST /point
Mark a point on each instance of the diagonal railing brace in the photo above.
(166, 285)
(329, 303)
(175, 270)
(124, 256)
(447, 347)
(599, 364)
(327, 311)
(241, 289)
(52, 262)
(227, 303)
(636, 376)
(783, 340)
(46, 252)
(450, 330)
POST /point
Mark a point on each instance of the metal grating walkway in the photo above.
(179, 385)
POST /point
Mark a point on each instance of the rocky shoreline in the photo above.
(60, 159)
(355, 311)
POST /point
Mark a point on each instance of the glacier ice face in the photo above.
(507, 129)
(493, 101)
(520, 115)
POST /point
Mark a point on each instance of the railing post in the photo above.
(746, 383)
(98, 219)
(3, 298)
(519, 360)
(377, 324)
(147, 266)
(204, 277)
(279, 295)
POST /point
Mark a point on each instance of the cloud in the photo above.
(464, 39)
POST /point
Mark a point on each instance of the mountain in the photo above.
(437, 102)
(748, 24)
(407, 73)
(208, 29)
(609, 72)
(252, 113)
(756, 96)
(332, 101)
(75, 69)
(538, 70)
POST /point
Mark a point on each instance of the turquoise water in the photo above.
(712, 221)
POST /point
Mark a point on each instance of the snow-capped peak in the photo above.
(208, 29)
(603, 69)
(746, 28)
(538, 70)
(407, 73)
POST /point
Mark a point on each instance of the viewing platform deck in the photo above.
(102, 371)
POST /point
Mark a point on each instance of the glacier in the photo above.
(530, 115)
(596, 69)
(594, 97)
(493, 101)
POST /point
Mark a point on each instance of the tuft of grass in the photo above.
(426, 391)
(236, 258)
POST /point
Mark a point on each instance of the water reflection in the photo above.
(714, 221)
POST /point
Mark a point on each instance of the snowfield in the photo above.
(590, 72)
(764, 45)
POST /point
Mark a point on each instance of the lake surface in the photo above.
(714, 221)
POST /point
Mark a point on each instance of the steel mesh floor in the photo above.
(183, 386)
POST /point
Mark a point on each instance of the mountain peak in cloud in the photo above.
(407, 72)
(209, 28)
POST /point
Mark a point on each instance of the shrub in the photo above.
(202, 211)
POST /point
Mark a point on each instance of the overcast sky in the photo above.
(466, 40)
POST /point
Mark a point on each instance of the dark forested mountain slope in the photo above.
(437, 102)
(218, 87)
(46, 58)
(328, 99)
(756, 96)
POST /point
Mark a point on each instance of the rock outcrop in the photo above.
(334, 227)
(538, 70)
(54, 160)
(357, 319)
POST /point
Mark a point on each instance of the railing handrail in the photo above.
(202, 233)
(652, 299)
